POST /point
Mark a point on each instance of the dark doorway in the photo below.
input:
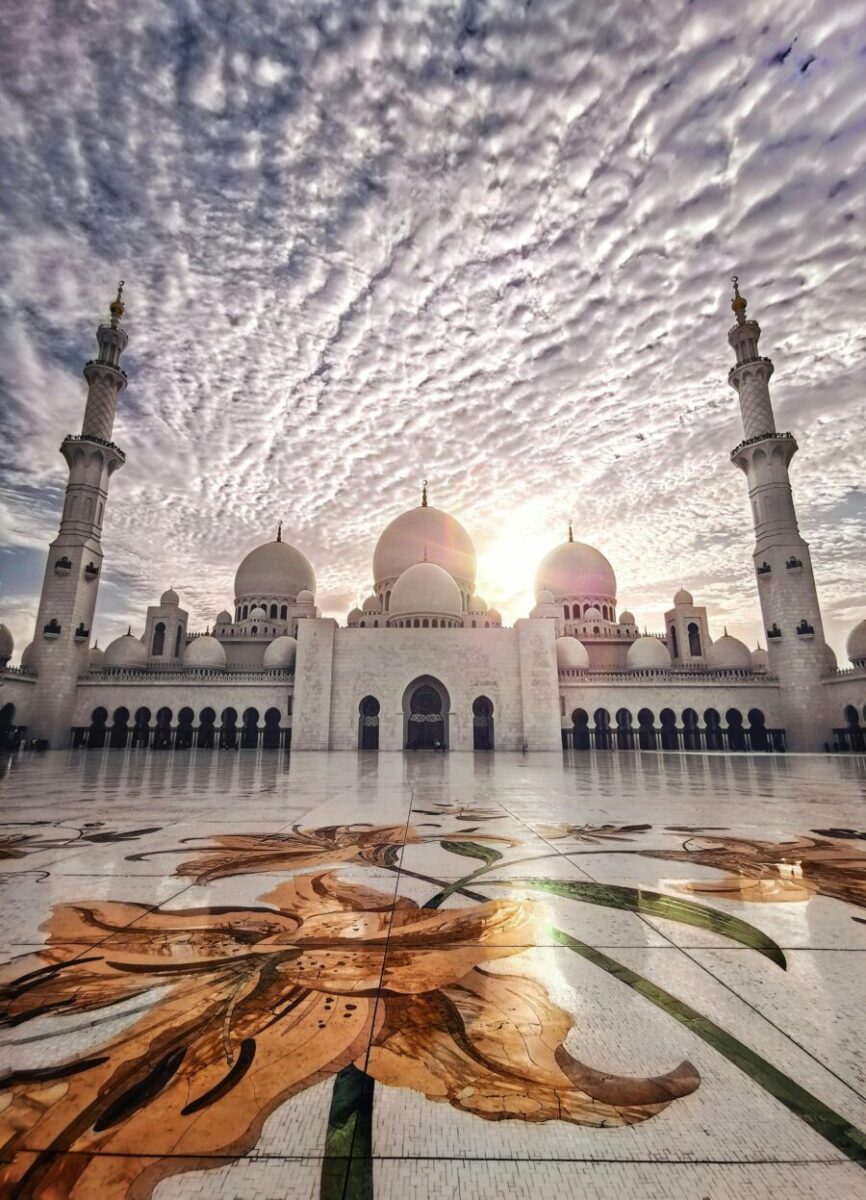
(482, 724)
(580, 729)
(141, 729)
(250, 733)
(271, 734)
(119, 735)
(229, 731)
(426, 725)
(368, 724)
(184, 733)
(96, 738)
(206, 720)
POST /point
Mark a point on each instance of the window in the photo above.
(177, 641)
(157, 646)
(284, 612)
(695, 648)
(674, 647)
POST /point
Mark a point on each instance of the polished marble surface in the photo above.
(339, 977)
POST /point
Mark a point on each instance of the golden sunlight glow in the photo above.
(507, 565)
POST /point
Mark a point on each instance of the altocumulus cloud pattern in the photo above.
(485, 243)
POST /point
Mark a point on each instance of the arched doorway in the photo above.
(691, 731)
(482, 724)
(229, 731)
(162, 735)
(646, 734)
(141, 729)
(119, 729)
(96, 737)
(736, 733)
(425, 715)
(757, 730)
(206, 719)
(368, 723)
(624, 731)
(184, 733)
(603, 735)
(670, 738)
(10, 736)
(250, 731)
(272, 731)
(713, 738)
(580, 729)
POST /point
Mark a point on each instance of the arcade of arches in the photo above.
(598, 731)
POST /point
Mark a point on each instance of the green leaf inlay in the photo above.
(347, 1167)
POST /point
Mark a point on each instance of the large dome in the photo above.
(425, 588)
(204, 653)
(729, 654)
(575, 569)
(125, 651)
(424, 534)
(648, 654)
(571, 654)
(274, 570)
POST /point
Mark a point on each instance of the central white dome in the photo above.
(574, 569)
(420, 534)
(425, 588)
(275, 570)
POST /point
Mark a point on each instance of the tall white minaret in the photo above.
(61, 642)
(783, 566)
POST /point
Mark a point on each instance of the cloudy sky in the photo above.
(485, 243)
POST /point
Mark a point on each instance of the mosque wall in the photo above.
(513, 668)
(846, 690)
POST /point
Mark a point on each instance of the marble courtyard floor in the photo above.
(466, 977)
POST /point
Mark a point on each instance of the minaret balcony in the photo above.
(774, 632)
(97, 441)
(53, 629)
(101, 362)
(794, 564)
(81, 634)
(63, 566)
(763, 569)
(91, 571)
(770, 435)
(805, 630)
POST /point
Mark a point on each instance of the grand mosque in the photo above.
(425, 663)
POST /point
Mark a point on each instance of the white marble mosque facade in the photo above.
(425, 662)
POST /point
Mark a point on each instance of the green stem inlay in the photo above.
(347, 1168)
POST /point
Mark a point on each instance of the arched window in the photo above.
(284, 612)
(272, 612)
(178, 641)
(157, 646)
(387, 601)
(695, 648)
(436, 623)
(675, 650)
(670, 737)
(254, 630)
(482, 724)
(244, 612)
(425, 624)
(417, 623)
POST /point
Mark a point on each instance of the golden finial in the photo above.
(279, 531)
(116, 307)
(424, 493)
(738, 304)
(570, 532)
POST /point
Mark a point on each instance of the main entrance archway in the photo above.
(425, 715)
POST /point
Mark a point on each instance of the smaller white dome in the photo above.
(592, 614)
(169, 597)
(7, 642)
(280, 654)
(855, 647)
(627, 618)
(96, 658)
(760, 661)
(258, 614)
(204, 654)
(305, 597)
(125, 651)
(830, 656)
(648, 654)
(426, 588)
(729, 654)
(494, 616)
(683, 597)
(354, 616)
(27, 654)
(477, 606)
(224, 617)
(372, 605)
(571, 654)
(544, 597)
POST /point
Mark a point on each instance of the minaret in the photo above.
(61, 640)
(786, 584)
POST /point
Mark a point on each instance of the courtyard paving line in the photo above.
(688, 952)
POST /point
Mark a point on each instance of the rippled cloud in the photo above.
(486, 244)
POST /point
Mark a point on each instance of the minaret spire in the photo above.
(786, 583)
(73, 570)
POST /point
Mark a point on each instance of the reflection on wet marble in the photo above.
(391, 976)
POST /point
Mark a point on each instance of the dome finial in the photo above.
(570, 532)
(116, 307)
(129, 631)
(279, 531)
(424, 495)
(738, 304)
